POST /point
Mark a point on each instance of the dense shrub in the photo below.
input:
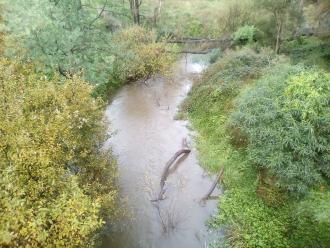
(245, 35)
(309, 50)
(214, 55)
(54, 180)
(223, 79)
(257, 226)
(309, 222)
(139, 56)
(286, 118)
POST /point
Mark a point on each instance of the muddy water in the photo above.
(146, 137)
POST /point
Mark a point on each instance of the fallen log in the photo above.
(196, 52)
(169, 163)
(201, 40)
(209, 193)
(166, 171)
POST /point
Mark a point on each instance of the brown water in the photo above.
(146, 137)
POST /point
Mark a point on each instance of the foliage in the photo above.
(188, 18)
(66, 36)
(215, 54)
(251, 210)
(244, 35)
(257, 226)
(283, 17)
(139, 56)
(223, 78)
(309, 50)
(234, 15)
(55, 180)
(309, 224)
(286, 120)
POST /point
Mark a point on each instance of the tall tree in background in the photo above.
(135, 10)
(282, 11)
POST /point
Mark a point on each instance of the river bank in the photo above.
(146, 136)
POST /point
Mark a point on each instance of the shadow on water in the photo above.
(146, 137)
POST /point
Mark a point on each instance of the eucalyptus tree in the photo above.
(135, 10)
(283, 11)
(68, 36)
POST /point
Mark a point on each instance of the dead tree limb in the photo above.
(196, 40)
(196, 52)
(166, 171)
(209, 193)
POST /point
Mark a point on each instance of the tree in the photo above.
(282, 11)
(67, 36)
(140, 56)
(135, 10)
(57, 186)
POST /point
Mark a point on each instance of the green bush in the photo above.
(139, 56)
(309, 50)
(309, 222)
(286, 119)
(245, 35)
(223, 79)
(215, 54)
(257, 226)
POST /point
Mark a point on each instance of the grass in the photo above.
(252, 213)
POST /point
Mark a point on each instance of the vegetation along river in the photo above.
(143, 149)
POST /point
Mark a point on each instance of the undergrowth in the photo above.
(252, 211)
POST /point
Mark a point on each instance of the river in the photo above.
(146, 135)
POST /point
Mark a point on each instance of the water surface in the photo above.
(146, 136)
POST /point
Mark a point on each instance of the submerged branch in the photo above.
(209, 193)
(166, 171)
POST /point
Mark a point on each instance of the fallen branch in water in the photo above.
(166, 171)
(198, 40)
(196, 52)
(209, 193)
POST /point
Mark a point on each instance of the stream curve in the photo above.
(146, 136)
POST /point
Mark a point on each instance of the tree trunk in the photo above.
(135, 10)
(278, 36)
(160, 4)
(158, 12)
(166, 171)
(209, 193)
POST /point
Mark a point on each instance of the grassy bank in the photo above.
(254, 210)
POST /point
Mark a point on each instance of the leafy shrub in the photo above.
(139, 56)
(223, 79)
(286, 118)
(245, 35)
(214, 55)
(310, 51)
(309, 222)
(54, 180)
(235, 14)
(194, 27)
(257, 226)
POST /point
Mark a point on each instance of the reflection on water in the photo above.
(146, 137)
